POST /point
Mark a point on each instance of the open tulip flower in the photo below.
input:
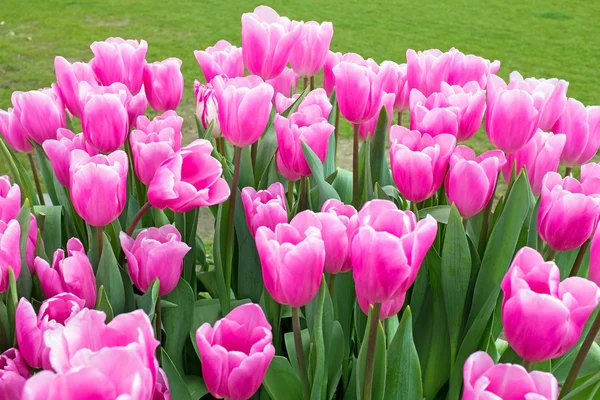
(68, 77)
(222, 58)
(10, 199)
(150, 149)
(581, 125)
(13, 374)
(264, 207)
(59, 152)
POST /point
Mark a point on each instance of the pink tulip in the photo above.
(188, 179)
(484, 380)
(343, 213)
(284, 83)
(539, 156)
(309, 53)
(244, 108)
(368, 127)
(543, 317)
(136, 107)
(387, 248)
(68, 77)
(73, 274)
(161, 388)
(467, 68)
(207, 108)
(513, 115)
(41, 113)
(389, 308)
(13, 374)
(265, 207)
(419, 162)
(118, 60)
(267, 40)
(150, 149)
(282, 102)
(316, 97)
(470, 101)
(292, 262)
(304, 126)
(98, 186)
(59, 152)
(334, 59)
(569, 210)
(393, 80)
(31, 245)
(10, 199)
(471, 180)
(594, 267)
(236, 352)
(9, 251)
(169, 119)
(163, 84)
(358, 91)
(222, 58)
(155, 253)
(13, 132)
(283, 169)
(581, 125)
(30, 328)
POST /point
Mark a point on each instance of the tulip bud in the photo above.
(581, 125)
(9, 251)
(13, 132)
(10, 199)
(163, 84)
(334, 59)
(358, 91)
(59, 152)
(389, 308)
(308, 54)
(207, 108)
(393, 80)
(118, 60)
(68, 77)
(284, 83)
(265, 207)
(222, 58)
(150, 149)
(13, 374)
(41, 113)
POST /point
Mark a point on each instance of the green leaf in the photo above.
(108, 275)
(341, 180)
(440, 213)
(281, 382)
(246, 172)
(26, 185)
(147, 301)
(52, 232)
(12, 299)
(24, 283)
(329, 164)
(367, 178)
(102, 304)
(113, 230)
(177, 321)
(379, 170)
(586, 391)
(219, 255)
(177, 385)
(533, 238)
(195, 384)
(16, 178)
(290, 346)
(47, 172)
(326, 191)
(379, 373)
(335, 358)
(403, 377)
(319, 379)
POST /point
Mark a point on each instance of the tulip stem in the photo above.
(290, 198)
(158, 328)
(551, 254)
(581, 355)
(36, 179)
(305, 82)
(371, 346)
(100, 234)
(253, 151)
(337, 129)
(300, 351)
(568, 171)
(465, 222)
(355, 194)
(527, 364)
(303, 193)
(579, 259)
(331, 284)
(220, 147)
(312, 83)
(138, 217)
(400, 118)
(237, 158)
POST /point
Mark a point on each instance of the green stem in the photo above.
(331, 284)
(414, 209)
(337, 129)
(527, 364)
(579, 259)
(355, 193)
(465, 222)
(277, 327)
(100, 234)
(312, 83)
(158, 328)
(3, 339)
(36, 179)
(290, 198)
(371, 346)
(305, 82)
(400, 118)
(551, 254)
(303, 193)
(253, 151)
(300, 352)
(221, 146)
(138, 217)
(237, 158)
(568, 171)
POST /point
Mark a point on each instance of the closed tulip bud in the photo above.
(387, 248)
(71, 274)
(236, 352)
(118, 60)
(434, 114)
(13, 374)
(30, 328)
(68, 77)
(358, 91)
(466, 68)
(569, 210)
(168, 119)
(244, 108)
(59, 152)
(419, 162)
(10, 199)
(267, 40)
(98, 186)
(41, 113)
(484, 380)
(332, 59)
(14, 133)
(581, 125)
(543, 317)
(471, 180)
(393, 80)
(222, 58)
(368, 127)
(539, 156)
(309, 53)
(292, 262)
(163, 84)
(284, 83)
(150, 149)
(155, 253)
(207, 108)
(9, 251)
(389, 308)
(189, 179)
(265, 207)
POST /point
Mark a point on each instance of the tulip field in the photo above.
(412, 224)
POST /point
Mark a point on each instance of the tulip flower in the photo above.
(163, 84)
(283, 169)
(73, 274)
(118, 60)
(292, 262)
(244, 108)
(581, 125)
(236, 352)
(282, 102)
(513, 115)
(267, 40)
(265, 207)
(389, 308)
(358, 91)
(30, 328)
(368, 127)
(387, 248)
(188, 179)
(332, 59)
(136, 107)
(68, 77)
(10, 199)
(150, 149)
(419, 162)
(284, 83)
(13, 374)
(316, 97)
(393, 80)
(13, 132)
(569, 210)
(41, 113)
(543, 317)
(470, 101)
(342, 212)
(222, 58)
(539, 156)
(59, 152)
(155, 253)
(98, 186)
(466, 68)
(484, 380)
(207, 108)
(169, 119)
(309, 53)
(9, 251)
(594, 267)
(161, 388)
(471, 180)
